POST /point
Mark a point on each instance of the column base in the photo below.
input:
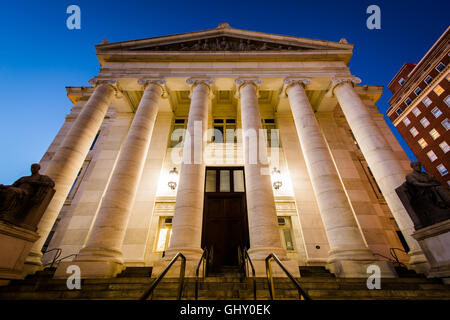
(90, 269)
(418, 262)
(33, 263)
(353, 263)
(358, 269)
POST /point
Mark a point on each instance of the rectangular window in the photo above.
(436, 112)
(422, 143)
(178, 131)
(416, 111)
(444, 146)
(426, 101)
(446, 124)
(224, 185)
(442, 169)
(406, 121)
(447, 101)
(428, 79)
(434, 134)
(408, 101)
(431, 155)
(399, 111)
(238, 180)
(284, 223)
(413, 131)
(440, 67)
(229, 179)
(163, 234)
(224, 131)
(417, 91)
(401, 81)
(438, 90)
(425, 123)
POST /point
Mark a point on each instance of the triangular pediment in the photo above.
(222, 43)
(221, 39)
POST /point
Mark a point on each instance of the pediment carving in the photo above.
(221, 43)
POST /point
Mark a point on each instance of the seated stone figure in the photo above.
(426, 199)
(24, 197)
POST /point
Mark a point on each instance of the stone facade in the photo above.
(115, 206)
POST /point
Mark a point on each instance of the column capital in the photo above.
(194, 81)
(160, 82)
(290, 81)
(96, 81)
(242, 81)
(336, 81)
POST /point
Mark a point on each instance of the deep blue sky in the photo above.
(39, 56)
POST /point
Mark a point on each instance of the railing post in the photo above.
(269, 277)
(181, 284)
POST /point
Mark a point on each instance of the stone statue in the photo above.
(20, 202)
(426, 200)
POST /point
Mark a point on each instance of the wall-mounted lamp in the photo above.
(173, 178)
(276, 178)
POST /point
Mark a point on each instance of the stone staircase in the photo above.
(227, 285)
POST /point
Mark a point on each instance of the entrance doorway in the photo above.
(225, 225)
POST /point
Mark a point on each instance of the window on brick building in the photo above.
(440, 67)
(422, 143)
(408, 101)
(426, 101)
(417, 91)
(447, 101)
(406, 121)
(444, 146)
(438, 90)
(401, 81)
(446, 124)
(428, 79)
(431, 155)
(416, 111)
(425, 123)
(442, 169)
(413, 131)
(434, 134)
(436, 112)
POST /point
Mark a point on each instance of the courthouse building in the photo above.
(221, 139)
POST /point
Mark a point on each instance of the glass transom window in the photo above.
(225, 179)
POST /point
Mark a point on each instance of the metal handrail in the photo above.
(203, 260)
(303, 295)
(59, 260)
(149, 292)
(247, 260)
(57, 254)
(394, 255)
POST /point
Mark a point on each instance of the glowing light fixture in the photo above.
(173, 178)
(276, 178)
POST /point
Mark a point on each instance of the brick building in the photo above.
(420, 107)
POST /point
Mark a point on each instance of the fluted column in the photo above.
(188, 215)
(347, 245)
(68, 159)
(262, 216)
(102, 256)
(382, 161)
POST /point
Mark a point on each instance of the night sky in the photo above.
(39, 55)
